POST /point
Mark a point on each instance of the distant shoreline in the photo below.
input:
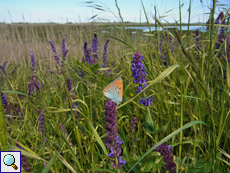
(105, 24)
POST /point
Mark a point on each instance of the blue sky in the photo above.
(63, 11)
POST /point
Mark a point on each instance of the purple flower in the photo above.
(69, 84)
(221, 36)
(121, 163)
(41, 120)
(20, 113)
(32, 85)
(81, 74)
(138, 70)
(30, 88)
(64, 50)
(55, 54)
(71, 97)
(53, 46)
(166, 152)
(139, 76)
(3, 67)
(146, 102)
(4, 100)
(87, 53)
(133, 128)
(91, 61)
(24, 163)
(113, 141)
(168, 38)
(19, 95)
(116, 144)
(110, 123)
(95, 46)
(63, 45)
(104, 57)
(33, 64)
(44, 163)
(219, 18)
(5, 105)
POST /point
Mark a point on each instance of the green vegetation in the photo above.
(187, 75)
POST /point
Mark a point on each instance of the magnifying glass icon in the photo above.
(9, 160)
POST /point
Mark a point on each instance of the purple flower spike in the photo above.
(133, 128)
(64, 50)
(55, 54)
(32, 85)
(146, 102)
(30, 88)
(139, 76)
(64, 54)
(33, 64)
(166, 152)
(113, 141)
(219, 18)
(41, 120)
(110, 122)
(87, 53)
(74, 105)
(69, 84)
(138, 70)
(95, 46)
(168, 38)
(3, 67)
(36, 84)
(104, 57)
(5, 105)
(221, 36)
(53, 46)
(63, 45)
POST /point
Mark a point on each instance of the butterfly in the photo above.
(114, 90)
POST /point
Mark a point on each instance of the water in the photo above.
(133, 29)
(146, 29)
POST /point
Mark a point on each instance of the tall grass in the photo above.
(190, 87)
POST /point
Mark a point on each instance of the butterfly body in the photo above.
(114, 90)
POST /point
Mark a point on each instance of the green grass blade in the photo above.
(166, 139)
(49, 164)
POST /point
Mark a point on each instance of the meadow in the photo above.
(174, 116)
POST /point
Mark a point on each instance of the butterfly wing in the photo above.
(119, 89)
(114, 90)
